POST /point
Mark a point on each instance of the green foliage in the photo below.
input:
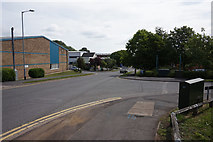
(197, 127)
(194, 74)
(143, 48)
(149, 73)
(196, 50)
(7, 74)
(110, 63)
(103, 64)
(87, 67)
(64, 45)
(80, 63)
(84, 49)
(36, 72)
(119, 57)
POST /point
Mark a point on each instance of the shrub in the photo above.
(194, 74)
(209, 74)
(36, 72)
(8, 74)
(150, 73)
(171, 73)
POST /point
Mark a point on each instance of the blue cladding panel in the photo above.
(54, 53)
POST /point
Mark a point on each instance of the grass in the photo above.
(165, 130)
(62, 73)
(198, 127)
(35, 81)
(127, 74)
(209, 80)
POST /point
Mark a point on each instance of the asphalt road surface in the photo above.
(25, 104)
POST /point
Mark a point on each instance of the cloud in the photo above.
(90, 34)
(53, 29)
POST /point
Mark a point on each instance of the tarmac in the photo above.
(22, 83)
(108, 121)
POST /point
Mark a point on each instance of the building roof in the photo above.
(88, 54)
(28, 37)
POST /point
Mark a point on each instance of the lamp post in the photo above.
(22, 19)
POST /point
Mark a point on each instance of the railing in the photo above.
(173, 118)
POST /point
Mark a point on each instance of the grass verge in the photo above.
(62, 73)
(35, 81)
(165, 130)
(198, 127)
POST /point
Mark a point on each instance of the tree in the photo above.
(118, 56)
(64, 45)
(143, 48)
(84, 49)
(80, 63)
(198, 52)
(110, 63)
(179, 38)
(95, 62)
(168, 50)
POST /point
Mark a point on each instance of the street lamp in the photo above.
(22, 19)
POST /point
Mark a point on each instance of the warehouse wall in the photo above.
(37, 55)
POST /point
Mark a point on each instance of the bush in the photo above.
(8, 74)
(209, 74)
(171, 73)
(194, 74)
(36, 72)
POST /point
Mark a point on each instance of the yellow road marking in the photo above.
(109, 99)
(54, 115)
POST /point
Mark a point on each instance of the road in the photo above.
(24, 104)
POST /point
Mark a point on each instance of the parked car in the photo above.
(123, 70)
(75, 68)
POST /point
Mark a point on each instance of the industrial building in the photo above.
(39, 52)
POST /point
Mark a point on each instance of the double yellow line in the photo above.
(52, 116)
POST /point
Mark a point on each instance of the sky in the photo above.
(103, 26)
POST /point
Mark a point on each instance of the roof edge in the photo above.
(29, 37)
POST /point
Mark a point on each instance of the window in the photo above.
(54, 66)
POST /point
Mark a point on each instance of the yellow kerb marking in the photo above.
(54, 115)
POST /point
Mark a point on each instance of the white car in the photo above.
(124, 70)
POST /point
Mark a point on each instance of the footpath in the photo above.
(161, 79)
(22, 83)
(108, 121)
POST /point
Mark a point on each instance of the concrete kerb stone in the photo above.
(20, 83)
(153, 79)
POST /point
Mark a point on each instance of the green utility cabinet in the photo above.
(190, 92)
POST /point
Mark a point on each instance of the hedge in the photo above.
(36, 72)
(196, 74)
(7, 74)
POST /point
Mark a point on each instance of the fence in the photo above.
(173, 118)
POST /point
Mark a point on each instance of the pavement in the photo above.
(109, 121)
(21, 83)
(161, 79)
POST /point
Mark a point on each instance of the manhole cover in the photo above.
(142, 108)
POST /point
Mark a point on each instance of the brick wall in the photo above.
(37, 55)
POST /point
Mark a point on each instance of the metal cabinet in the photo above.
(190, 92)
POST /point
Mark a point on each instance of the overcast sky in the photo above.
(103, 26)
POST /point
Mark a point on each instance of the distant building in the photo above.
(103, 55)
(74, 55)
(88, 56)
(39, 51)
